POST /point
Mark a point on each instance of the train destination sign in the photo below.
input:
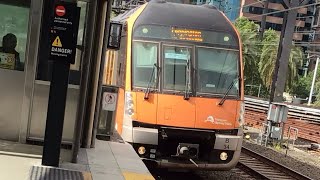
(187, 34)
(63, 31)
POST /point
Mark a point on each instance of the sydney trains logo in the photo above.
(216, 121)
(210, 119)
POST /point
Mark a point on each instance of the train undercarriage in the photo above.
(172, 147)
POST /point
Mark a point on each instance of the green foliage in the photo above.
(260, 57)
(249, 36)
(301, 87)
(112, 15)
(268, 56)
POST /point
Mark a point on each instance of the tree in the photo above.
(250, 50)
(301, 87)
(268, 59)
(268, 56)
(259, 57)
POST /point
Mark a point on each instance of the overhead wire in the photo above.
(285, 10)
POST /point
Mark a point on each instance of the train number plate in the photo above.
(226, 142)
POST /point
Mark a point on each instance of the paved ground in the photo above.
(108, 160)
(16, 167)
(116, 161)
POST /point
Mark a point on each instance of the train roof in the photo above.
(184, 15)
(160, 12)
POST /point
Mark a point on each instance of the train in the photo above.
(179, 73)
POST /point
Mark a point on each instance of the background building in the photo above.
(231, 8)
(253, 8)
(306, 27)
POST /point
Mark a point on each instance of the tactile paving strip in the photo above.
(46, 173)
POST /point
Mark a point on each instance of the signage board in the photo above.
(109, 101)
(187, 34)
(64, 31)
(7, 60)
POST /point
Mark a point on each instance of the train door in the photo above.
(175, 106)
(14, 22)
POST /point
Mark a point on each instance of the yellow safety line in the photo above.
(87, 176)
(136, 176)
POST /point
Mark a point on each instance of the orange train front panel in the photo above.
(146, 108)
(174, 111)
(209, 115)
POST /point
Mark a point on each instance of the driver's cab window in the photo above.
(176, 68)
(14, 18)
(145, 55)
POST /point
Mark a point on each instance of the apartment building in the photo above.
(253, 10)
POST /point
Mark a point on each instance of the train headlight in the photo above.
(223, 156)
(241, 116)
(142, 150)
(129, 104)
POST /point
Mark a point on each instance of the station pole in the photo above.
(64, 23)
(284, 50)
(313, 81)
(85, 79)
(264, 19)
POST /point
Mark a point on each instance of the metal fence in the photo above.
(295, 112)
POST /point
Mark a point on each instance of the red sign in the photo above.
(60, 11)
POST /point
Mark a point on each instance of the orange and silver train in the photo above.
(179, 73)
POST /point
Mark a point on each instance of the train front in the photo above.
(184, 92)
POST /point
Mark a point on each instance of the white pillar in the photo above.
(313, 81)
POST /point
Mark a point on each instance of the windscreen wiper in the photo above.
(186, 92)
(146, 94)
(227, 92)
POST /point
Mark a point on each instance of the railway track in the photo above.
(306, 119)
(264, 168)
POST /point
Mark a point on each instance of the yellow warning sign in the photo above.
(57, 42)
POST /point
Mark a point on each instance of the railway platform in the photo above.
(108, 160)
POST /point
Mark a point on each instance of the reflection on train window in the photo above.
(80, 41)
(217, 69)
(13, 34)
(144, 57)
(176, 61)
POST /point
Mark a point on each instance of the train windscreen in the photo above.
(217, 70)
(217, 67)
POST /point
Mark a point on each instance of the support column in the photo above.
(284, 50)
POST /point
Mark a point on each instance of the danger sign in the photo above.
(64, 32)
(60, 11)
(109, 101)
(57, 42)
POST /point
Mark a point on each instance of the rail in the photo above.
(265, 168)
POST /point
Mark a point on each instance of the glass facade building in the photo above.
(231, 8)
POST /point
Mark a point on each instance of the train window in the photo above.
(217, 69)
(176, 60)
(14, 19)
(145, 55)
